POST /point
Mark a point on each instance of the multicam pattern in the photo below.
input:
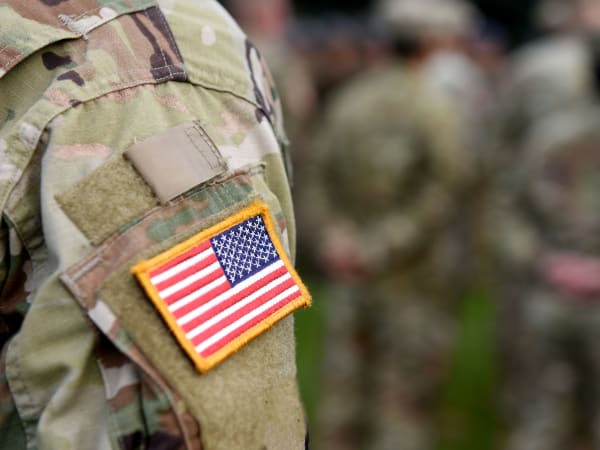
(79, 83)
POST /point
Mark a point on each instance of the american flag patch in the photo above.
(225, 286)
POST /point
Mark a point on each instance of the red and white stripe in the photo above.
(208, 309)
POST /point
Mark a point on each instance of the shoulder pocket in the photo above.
(249, 393)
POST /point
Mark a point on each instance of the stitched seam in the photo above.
(179, 71)
(143, 81)
(165, 60)
(4, 48)
(170, 35)
(153, 80)
(159, 46)
(10, 61)
(91, 265)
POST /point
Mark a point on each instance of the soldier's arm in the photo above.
(98, 362)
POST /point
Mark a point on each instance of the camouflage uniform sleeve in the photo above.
(79, 370)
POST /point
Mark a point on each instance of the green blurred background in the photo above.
(467, 406)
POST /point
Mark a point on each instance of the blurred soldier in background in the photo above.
(551, 73)
(547, 75)
(388, 169)
(453, 69)
(549, 229)
(553, 240)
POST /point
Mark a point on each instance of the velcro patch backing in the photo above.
(224, 286)
(106, 200)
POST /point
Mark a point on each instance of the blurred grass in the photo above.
(310, 335)
(467, 406)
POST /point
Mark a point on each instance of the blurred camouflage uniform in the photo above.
(452, 69)
(86, 363)
(550, 236)
(544, 76)
(544, 229)
(388, 165)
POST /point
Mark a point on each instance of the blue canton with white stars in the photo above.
(244, 249)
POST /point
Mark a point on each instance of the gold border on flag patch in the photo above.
(224, 286)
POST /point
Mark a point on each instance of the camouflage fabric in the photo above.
(542, 78)
(549, 249)
(389, 169)
(80, 82)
